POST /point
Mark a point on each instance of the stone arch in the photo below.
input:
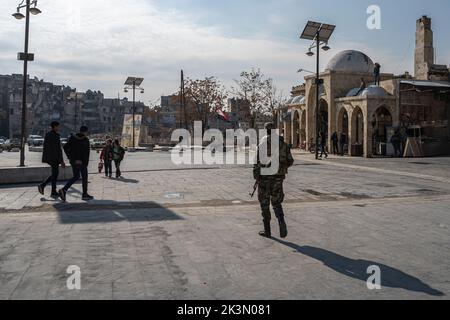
(303, 138)
(380, 122)
(324, 116)
(343, 121)
(357, 124)
(287, 131)
(343, 130)
(295, 128)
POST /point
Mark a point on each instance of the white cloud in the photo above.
(96, 44)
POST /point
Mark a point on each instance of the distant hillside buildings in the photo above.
(48, 102)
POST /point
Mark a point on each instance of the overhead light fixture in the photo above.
(35, 11)
(125, 90)
(18, 15)
(310, 53)
(326, 47)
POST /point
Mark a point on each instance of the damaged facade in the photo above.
(47, 102)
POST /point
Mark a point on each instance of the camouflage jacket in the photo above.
(286, 160)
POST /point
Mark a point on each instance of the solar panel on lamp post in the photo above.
(319, 33)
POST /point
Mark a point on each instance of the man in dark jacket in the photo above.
(335, 140)
(323, 145)
(78, 150)
(52, 155)
(376, 74)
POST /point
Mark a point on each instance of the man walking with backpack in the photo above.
(270, 187)
(52, 155)
(78, 150)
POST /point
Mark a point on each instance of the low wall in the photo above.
(31, 174)
(434, 149)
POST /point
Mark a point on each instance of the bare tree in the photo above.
(258, 90)
(275, 101)
(203, 97)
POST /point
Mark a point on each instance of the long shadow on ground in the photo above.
(113, 211)
(357, 269)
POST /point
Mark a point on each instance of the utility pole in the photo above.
(183, 116)
(134, 113)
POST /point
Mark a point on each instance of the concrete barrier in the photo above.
(31, 174)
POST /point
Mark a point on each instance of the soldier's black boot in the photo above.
(267, 232)
(283, 228)
(281, 222)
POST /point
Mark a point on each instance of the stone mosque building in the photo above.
(416, 107)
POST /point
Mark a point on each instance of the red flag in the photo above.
(222, 114)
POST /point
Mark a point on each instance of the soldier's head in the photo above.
(55, 126)
(269, 126)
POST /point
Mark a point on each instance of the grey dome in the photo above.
(289, 101)
(371, 91)
(351, 61)
(352, 92)
(374, 91)
(297, 100)
(303, 100)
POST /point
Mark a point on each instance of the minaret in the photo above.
(424, 56)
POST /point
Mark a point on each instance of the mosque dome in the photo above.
(374, 91)
(351, 61)
(371, 91)
(289, 101)
(352, 92)
(297, 100)
(302, 100)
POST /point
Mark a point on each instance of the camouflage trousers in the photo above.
(270, 191)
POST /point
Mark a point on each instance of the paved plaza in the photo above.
(191, 233)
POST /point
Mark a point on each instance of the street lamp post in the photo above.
(320, 34)
(134, 83)
(25, 57)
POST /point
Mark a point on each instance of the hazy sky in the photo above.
(96, 44)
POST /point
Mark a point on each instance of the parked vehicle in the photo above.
(32, 138)
(2, 142)
(97, 144)
(11, 144)
(37, 143)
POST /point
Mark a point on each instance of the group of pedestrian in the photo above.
(338, 144)
(112, 152)
(77, 150)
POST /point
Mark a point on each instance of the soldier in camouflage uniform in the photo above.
(270, 188)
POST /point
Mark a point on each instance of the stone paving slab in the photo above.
(192, 234)
(214, 253)
(307, 181)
